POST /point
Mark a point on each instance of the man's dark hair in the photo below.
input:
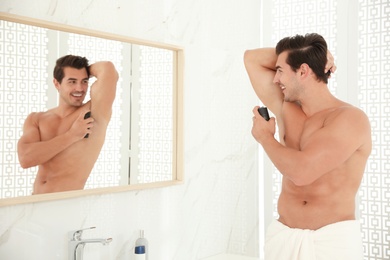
(72, 61)
(310, 49)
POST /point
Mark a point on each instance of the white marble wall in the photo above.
(216, 209)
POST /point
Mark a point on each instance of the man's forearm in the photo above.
(260, 65)
(103, 69)
(33, 154)
(103, 90)
(262, 57)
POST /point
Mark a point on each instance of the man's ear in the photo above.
(304, 70)
(56, 84)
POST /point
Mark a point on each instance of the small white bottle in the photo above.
(142, 241)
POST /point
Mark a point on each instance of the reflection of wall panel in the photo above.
(23, 61)
(156, 124)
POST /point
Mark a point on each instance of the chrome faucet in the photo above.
(76, 244)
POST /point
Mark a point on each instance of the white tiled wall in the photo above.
(216, 209)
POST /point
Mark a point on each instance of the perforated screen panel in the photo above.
(374, 97)
(23, 60)
(156, 111)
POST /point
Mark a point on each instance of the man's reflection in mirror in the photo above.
(63, 142)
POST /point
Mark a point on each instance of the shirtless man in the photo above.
(55, 140)
(323, 149)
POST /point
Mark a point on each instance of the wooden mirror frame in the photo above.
(178, 59)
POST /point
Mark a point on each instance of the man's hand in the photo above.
(330, 67)
(262, 129)
(81, 126)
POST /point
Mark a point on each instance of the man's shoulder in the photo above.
(37, 115)
(42, 115)
(348, 111)
(350, 119)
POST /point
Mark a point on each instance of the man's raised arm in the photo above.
(260, 66)
(103, 90)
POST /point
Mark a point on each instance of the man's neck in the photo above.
(318, 100)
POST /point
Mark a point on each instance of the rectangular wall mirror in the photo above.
(144, 142)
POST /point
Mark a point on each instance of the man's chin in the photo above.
(77, 104)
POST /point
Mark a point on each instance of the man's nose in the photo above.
(79, 86)
(276, 79)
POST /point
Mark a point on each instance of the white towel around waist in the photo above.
(338, 241)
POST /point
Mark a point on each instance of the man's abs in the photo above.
(316, 205)
(57, 184)
(69, 170)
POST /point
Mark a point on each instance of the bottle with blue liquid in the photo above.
(141, 247)
(139, 253)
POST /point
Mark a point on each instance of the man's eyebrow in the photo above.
(277, 67)
(76, 79)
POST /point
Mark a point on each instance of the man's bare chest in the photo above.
(298, 128)
(52, 125)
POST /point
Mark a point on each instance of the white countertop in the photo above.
(231, 257)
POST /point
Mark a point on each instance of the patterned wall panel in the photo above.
(23, 62)
(374, 97)
(156, 110)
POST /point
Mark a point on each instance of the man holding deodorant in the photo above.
(323, 149)
(65, 141)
